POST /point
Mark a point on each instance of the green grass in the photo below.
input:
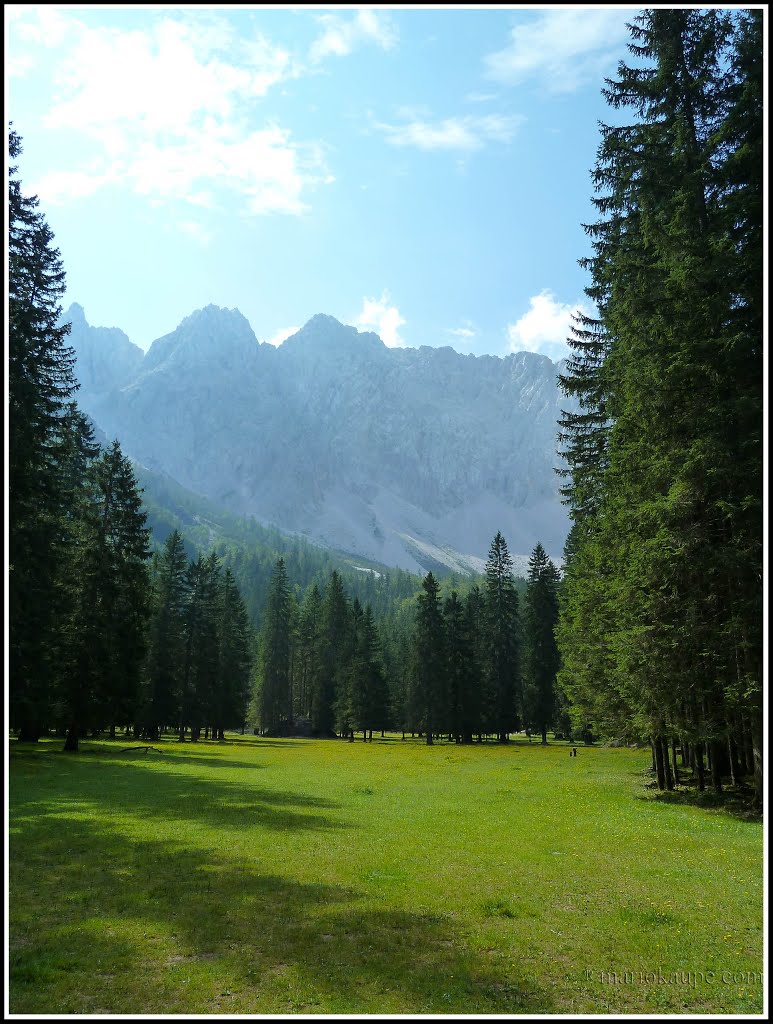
(299, 876)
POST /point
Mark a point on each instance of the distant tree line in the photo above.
(457, 667)
(661, 613)
(98, 637)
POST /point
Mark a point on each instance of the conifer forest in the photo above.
(136, 633)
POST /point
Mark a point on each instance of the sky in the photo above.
(424, 173)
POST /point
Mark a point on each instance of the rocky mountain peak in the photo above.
(324, 334)
(211, 335)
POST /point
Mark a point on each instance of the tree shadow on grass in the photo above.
(156, 791)
(104, 922)
(737, 802)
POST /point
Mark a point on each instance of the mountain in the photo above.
(105, 359)
(407, 457)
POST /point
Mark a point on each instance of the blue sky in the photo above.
(423, 173)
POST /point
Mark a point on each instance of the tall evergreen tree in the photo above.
(459, 678)
(308, 660)
(501, 630)
(334, 656)
(166, 643)
(106, 635)
(471, 695)
(275, 694)
(200, 665)
(234, 662)
(660, 629)
(40, 386)
(430, 654)
(540, 650)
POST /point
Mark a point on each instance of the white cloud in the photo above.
(481, 97)
(168, 108)
(282, 335)
(545, 327)
(460, 332)
(42, 26)
(340, 37)
(563, 47)
(379, 316)
(58, 186)
(196, 231)
(456, 133)
(20, 64)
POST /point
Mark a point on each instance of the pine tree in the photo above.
(430, 654)
(350, 703)
(234, 658)
(200, 664)
(334, 657)
(106, 636)
(540, 651)
(378, 692)
(458, 653)
(662, 606)
(166, 644)
(275, 695)
(40, 386)
(502, 642)
(471, 695)
(308, 665)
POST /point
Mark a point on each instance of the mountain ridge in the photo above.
(334, 435)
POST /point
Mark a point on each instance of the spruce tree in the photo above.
(234, 663)
(430, 655)
(274, 665)
(40, 386)
(200, 665)
(105, 648)
(334, 657)
(661, 615)
(458, 654)
(166, 643)
(307, 663)
(502, 641)
(540, 650)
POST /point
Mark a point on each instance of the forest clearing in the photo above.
(270, 876)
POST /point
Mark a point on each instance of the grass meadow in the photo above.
(263, 876)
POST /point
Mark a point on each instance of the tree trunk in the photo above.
(652, 752)
(732, 754)
(544, 735)
(71, 743)
(673, 757)
(699, 769)
(669, 777)
(716, 766)
(659, 768)
(748, 749)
